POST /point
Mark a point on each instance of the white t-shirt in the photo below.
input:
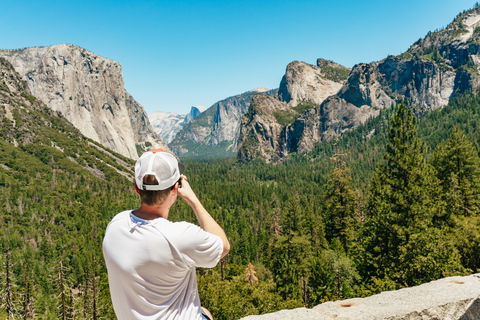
(151, 266)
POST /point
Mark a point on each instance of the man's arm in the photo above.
(204, 218)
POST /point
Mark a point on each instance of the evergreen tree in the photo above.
(332, 277)
(340, 206)
(458, 168)
(290, 253)
(400, 239)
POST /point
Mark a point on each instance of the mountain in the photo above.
(214, 133)
(265, 129)
(89, 91)
(194, 112)
(426, 77)
(168, 124)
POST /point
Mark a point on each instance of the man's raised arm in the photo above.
(204, 218)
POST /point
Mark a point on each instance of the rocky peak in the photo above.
(304, 82)
(87, 89)
(195, 111)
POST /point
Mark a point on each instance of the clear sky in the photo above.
(177, 54)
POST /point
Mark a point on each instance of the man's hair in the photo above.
(153, 197)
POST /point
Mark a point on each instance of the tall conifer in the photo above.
(401, 243)
(340, 205)
(458, 168)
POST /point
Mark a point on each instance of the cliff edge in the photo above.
(453, 298)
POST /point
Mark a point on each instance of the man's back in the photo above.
(151, 266)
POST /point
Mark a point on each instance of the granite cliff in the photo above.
(214, 133)
(89, 92)
(425, 77)
(305, 82)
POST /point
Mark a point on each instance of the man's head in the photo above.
(156, 173)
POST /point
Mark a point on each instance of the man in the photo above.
(150, 260)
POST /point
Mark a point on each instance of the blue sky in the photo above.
(176, 54)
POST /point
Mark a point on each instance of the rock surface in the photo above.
(145, 136)
(88, 90)
(261, 134)
(305, 82)
(453, 298)
(270, 131)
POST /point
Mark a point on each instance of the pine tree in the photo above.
(404, 200)
(340, 206)
(458, 168)
(290, 253)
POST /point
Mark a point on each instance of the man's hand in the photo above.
(186, 192)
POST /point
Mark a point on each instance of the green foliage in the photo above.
(459, 32)
(303, 106)
(234, 297)
(285, 117)
(458, 168)
(404, 203)
(341, 207)
(332, 277)
(336, 74)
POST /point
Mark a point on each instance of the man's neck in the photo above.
(147, 212)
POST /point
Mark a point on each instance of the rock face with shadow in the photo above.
(453, 298)
(261, 134)
(89, 92)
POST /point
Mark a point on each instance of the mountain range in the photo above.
(313, 102)
(425, 77)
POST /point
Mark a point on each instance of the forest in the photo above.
(391, 204)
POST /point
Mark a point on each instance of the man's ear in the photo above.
(136, 188)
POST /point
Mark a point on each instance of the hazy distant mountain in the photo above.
(168, 124)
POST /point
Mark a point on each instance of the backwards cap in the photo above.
(161, 164)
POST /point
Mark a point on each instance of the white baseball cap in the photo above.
(161, 164)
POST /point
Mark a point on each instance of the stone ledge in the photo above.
(453, 298)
